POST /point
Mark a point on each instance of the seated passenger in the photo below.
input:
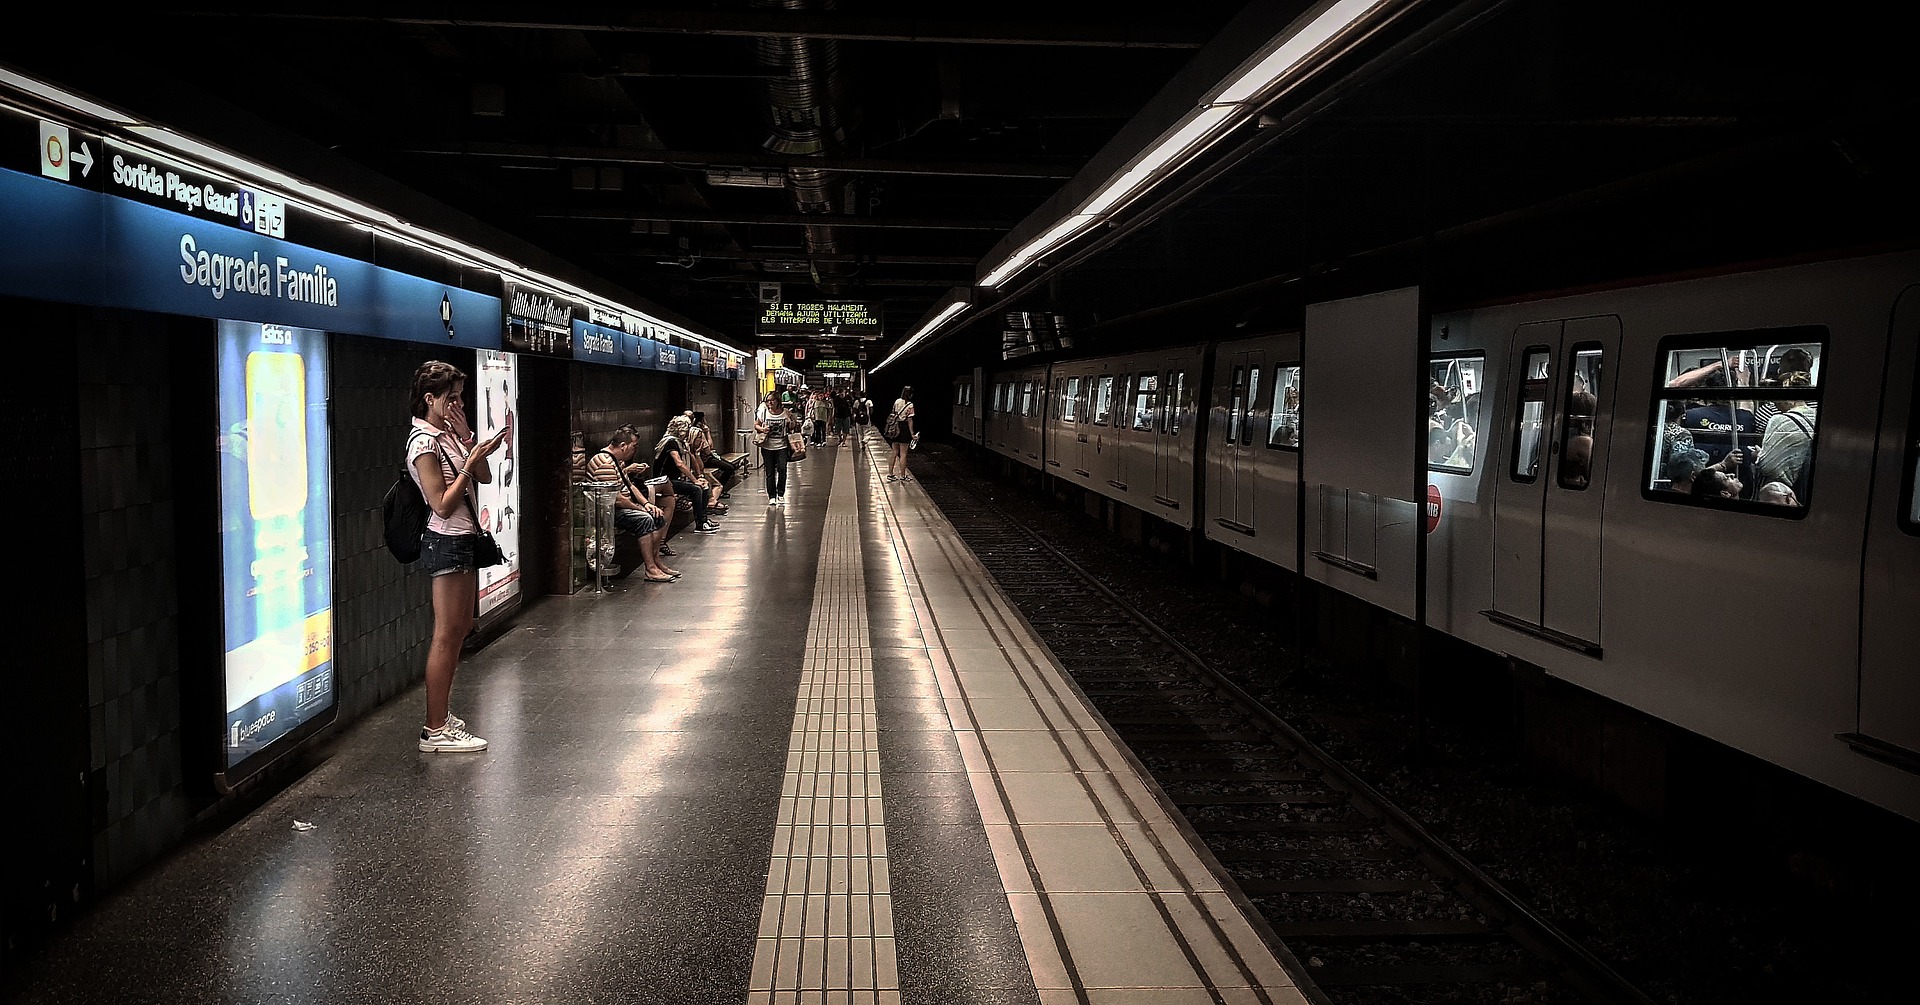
(670, 460)
(635, 511)
(1777, 494)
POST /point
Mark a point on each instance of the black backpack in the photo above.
(404, 513)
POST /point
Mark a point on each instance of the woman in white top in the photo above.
(898, 429)
(446, 468)
(776, 422)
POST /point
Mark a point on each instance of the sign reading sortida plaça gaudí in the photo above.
(843, 316)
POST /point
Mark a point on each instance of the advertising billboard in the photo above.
(276, 541)
(494, 398)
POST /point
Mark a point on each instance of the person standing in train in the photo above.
(446, 464)
(899, 432)
(774, 423)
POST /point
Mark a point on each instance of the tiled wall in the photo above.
(606, 396)
(127, 552)
(383, 611)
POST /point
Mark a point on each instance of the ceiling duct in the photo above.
(806, 123)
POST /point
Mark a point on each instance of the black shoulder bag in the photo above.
(486, 550)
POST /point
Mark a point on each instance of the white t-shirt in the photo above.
(777, 427)
(422, 439)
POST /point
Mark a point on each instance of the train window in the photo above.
(1233, 414)
(1176, 400)
(1026, 397)
(1070, 401)
(1283, 430)
(1735, 420)
(1453, 417)
(1582, 411)
(1146, 396)
(1532, 417)
(1253, 405)
(1103, 399)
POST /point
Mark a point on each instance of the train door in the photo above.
(1121, 444)
(1168, 476)
(1547, 527)
(1230, 476)
(1889, 699)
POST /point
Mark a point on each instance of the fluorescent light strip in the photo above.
(945, 315)
(64, 98)
(1295, 50)
(1205, 124)
(220, 163)
(1199, 130)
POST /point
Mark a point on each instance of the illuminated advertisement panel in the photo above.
(276, 536)
(492, 397)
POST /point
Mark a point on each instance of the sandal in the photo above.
(651, 578)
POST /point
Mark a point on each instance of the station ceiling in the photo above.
(879, 152)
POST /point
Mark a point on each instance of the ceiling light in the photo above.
(1300, 45)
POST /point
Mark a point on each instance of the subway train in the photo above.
(1694, 496)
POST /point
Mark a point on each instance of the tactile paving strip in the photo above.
(826, 923)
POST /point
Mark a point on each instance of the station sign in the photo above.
(818, 317)
(538, 322)
(836, 364)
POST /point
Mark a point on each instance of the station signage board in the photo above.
(538, 322)
(818, 317)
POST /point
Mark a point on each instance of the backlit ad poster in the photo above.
(276, 513)
(494, 396)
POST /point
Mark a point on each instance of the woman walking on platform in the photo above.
(775, 423)
(899, 432)
(446, 464)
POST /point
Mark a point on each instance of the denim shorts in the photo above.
(441, 554)
(636, 522)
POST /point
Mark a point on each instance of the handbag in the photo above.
(759, 439)
(799, 445)
(486, 551)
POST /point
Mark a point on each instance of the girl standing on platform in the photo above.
(446, 464)
(899, 432)
(776, 422)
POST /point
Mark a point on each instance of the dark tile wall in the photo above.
(604, 397)
(383, 611)
(127, 553)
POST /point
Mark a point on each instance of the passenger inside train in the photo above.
(1751, 414)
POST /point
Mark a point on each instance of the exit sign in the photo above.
(799, 354)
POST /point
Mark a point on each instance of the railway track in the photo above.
(1378, 908)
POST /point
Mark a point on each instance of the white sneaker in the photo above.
(449, 738)
(773, 501)
(707, 528)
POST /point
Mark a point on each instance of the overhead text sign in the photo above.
(843, 317)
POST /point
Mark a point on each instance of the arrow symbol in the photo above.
(84, 158)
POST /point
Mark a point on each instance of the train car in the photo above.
(968, 408)
(1124, 427)
(1252, 483)
(1016, 412)
(1693, 497)
(1668, 501)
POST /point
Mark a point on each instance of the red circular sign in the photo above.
(1433, 507)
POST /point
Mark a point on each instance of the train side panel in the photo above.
(1361, 534)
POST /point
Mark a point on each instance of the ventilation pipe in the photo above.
(806, 123)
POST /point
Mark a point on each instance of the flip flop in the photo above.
(651, 578)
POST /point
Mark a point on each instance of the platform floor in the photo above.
(829, 765)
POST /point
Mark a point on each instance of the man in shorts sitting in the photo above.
(634, 508)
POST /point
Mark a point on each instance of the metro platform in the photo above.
(829, 765)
